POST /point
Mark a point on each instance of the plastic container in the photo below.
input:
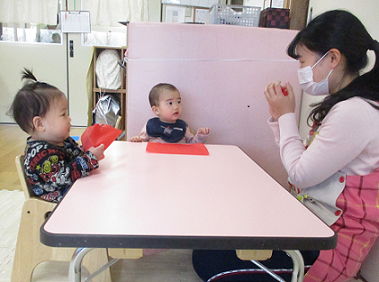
(234, 15)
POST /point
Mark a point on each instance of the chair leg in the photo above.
(298, 265)
(29, 251)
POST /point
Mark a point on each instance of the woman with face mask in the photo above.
(336, 172)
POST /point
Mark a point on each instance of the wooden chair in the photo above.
(30, 251)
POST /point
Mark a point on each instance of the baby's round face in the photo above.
(170, 106)
(56, 122)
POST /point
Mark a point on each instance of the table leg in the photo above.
(298, 266)
(75, 270)
(268, 271)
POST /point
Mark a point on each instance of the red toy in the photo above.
(284, 90)
(98, 134)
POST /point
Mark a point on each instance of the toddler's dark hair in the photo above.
(156, 90)
(33, 99)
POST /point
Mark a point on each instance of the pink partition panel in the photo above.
(221, 72)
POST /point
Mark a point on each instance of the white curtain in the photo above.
(29, 11)
(108, 13)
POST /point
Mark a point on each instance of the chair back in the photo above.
(21, 174)
(30, 252)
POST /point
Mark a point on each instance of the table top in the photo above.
(146, 200)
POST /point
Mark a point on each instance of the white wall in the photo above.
(253, 3)
(49, 63)
(154, 10)
(266, 4)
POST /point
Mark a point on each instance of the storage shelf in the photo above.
(122, 90)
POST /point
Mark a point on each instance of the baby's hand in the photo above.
(204, 130)
(135, 139)
(98, 152)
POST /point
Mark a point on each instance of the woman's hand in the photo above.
(281, 100)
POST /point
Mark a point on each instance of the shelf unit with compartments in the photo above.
(120, 94)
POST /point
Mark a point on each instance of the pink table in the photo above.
(145, 200)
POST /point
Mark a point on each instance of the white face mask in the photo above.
(308, 85)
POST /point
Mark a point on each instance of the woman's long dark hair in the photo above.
(341, 30)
